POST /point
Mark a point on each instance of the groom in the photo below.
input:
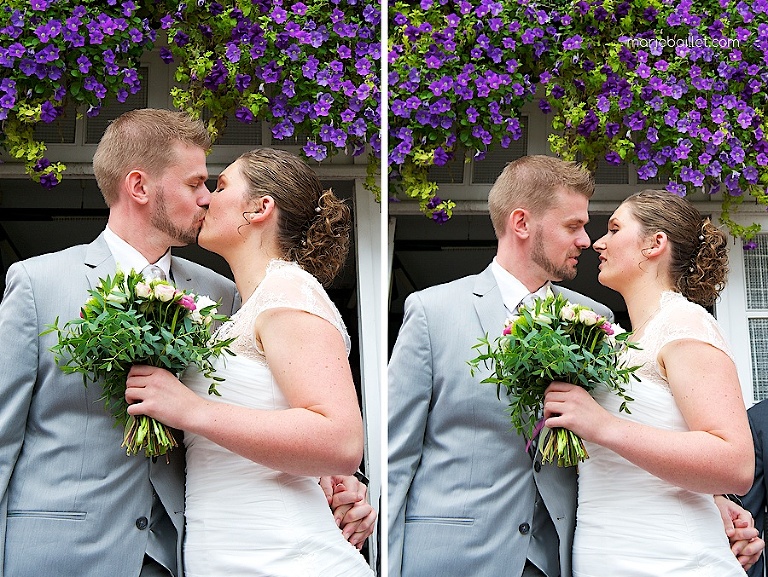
(71, 501)
(465, 496)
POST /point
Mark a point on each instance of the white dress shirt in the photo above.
(128, 258)
(512, 290)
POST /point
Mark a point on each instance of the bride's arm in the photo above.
(716, 456)
(321, 434)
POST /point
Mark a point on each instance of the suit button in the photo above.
(141, 523)
(524, 528)
(537, 466)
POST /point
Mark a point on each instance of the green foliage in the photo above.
(675, 88)
(310, 68)
(52, 53)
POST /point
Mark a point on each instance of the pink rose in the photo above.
(607, 328)
(187, 302)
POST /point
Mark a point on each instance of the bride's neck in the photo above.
(642, 305)
(249, 272)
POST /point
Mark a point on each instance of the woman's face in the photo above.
(228, 212)
(620, 250)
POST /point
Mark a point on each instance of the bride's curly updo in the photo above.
(699, 264)
(313, 224)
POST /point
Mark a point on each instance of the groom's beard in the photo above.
(162, 222)
(555, 272)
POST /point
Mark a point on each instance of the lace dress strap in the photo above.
(285, 285)
(677, 319)
(686, 320)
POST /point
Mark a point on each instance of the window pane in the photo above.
(61, 130)
(756, 273)
(297, 139)
(608, 173)
(95, 127)
(486, 171)
(758, 338)
(238, 132)
(451, 172)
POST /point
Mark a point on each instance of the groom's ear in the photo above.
(136, 184)
(519, 223)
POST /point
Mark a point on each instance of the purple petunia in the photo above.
(49, 180)
(244, 115)
(48, 112)
(315, 151)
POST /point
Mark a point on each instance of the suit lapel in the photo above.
(99, 261)
(180, 275)
(488, 303)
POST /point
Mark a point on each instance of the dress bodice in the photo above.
(243, 518)
(630, 522)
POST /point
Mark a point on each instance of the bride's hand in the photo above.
(157, 393)
(351, 510)
(573, 408)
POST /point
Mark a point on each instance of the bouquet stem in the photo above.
(563, 447)
(147, 434)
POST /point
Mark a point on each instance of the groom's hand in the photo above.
(742, 534)
(351, 510)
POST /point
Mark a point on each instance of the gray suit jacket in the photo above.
(71, 501)
(757, 497)
(461, 483)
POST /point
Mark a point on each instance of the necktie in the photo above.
(527, 301)
(152, 271)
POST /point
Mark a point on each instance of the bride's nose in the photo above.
(599, 245)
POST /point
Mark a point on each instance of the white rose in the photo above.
(588, 317)
(143, 290)
(164, 292)
(116, 297)
(542, 319)
(204, 302)
(568, 313)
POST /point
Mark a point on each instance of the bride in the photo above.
(645, 504)
(288, 411)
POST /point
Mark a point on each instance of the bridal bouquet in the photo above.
(129, 320)
(554, 340)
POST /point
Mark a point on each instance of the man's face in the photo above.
(559, 236)
(181, 197)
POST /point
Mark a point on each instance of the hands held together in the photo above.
(351, 510)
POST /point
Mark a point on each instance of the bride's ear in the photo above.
(265, 209)
(659, 243)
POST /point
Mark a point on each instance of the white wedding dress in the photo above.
(242, 518)
(630, 523)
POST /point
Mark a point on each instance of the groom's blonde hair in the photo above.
(531, 182)
(143, 139)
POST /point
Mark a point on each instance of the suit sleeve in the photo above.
(18, 372)
(755, 500)
(410, 394)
